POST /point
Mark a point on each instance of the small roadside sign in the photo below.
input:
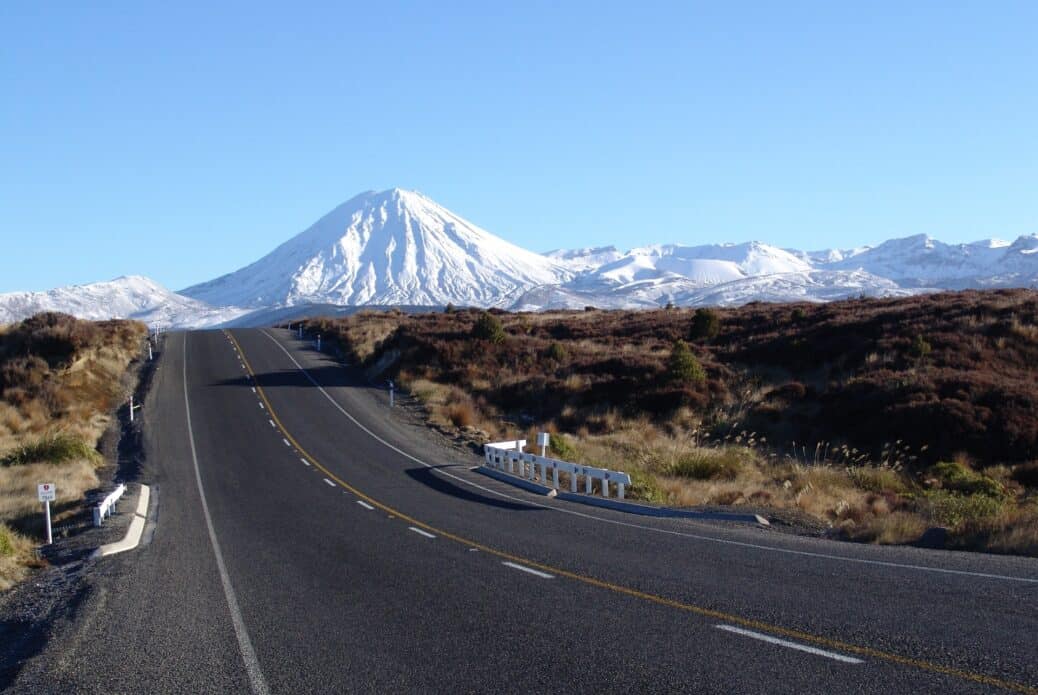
(46, 492)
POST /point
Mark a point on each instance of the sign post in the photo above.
(46, 493)
(542, 441)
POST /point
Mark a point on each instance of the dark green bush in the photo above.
(706, 324)
(683, 367)
(488, 327)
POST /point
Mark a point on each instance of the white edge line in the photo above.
(248, 654)
(287, 443)
(365, 505)
(305, 462)
(791, 645)
(420, 532)
(263, 407)
(329, 482)
(271, 423)
(524, 568)
(694, 536)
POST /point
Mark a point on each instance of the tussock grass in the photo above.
(60, 379)
(850, 412)
(54, 449)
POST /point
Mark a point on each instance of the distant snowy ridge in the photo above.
(399, 248)
(130, 297)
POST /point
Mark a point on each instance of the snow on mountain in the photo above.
(388, 248)
(133, 297)
(581, 260)
(810, 286)
(922, 261)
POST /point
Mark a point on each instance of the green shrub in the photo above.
(6, 542)
(488, 327)
(798, 314)
(956, 477)
(878, 479)
(953, 509)
(683, 367)
(711, 464)
(920, 347)
(705, 324)
(557, 352)
(561, 447)
(643, 487)
(58, 448)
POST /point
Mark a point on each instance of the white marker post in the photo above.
(318, 342)
(47, 493)
(300, 331)
(151, 355)
(390, 393)
(132, 407)
(542, 441)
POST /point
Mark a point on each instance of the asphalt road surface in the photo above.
(307, 541)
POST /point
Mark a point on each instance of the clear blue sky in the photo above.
(181, 142)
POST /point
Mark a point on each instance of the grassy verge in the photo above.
(60, 382)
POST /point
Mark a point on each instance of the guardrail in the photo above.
(106, 507)
(509, 457)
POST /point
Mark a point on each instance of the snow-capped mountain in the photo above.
(400, 248)
(388, 248)
(133, 297)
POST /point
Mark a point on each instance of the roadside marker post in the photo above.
(543, 439)
(318, 342)
(151, 355)
(390, 393)
(132, 407)
(47, 492)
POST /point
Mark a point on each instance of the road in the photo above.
(308, 541)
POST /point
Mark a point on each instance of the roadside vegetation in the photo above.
(878, 419)
(60, 381)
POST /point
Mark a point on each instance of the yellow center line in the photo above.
(627, 591)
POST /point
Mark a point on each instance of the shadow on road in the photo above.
(427, 477)
(331, 376)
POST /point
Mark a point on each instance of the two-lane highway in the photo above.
(309, 542)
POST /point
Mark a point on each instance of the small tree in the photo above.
(682, 366)
(557, 352)
(705, 324)
(449, 309)
(488, 327)
(921, 347)
(670, 306)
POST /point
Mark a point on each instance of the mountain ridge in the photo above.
(400, 248)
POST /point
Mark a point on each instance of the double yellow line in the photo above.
(635, 593)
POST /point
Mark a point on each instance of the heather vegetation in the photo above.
(878, 417)
(60, 380)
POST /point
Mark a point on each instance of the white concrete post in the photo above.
(605, 488)
(390, 393)
(573, 481)
(620, 491)
(151, 355)
(318, 342)
(46, 505)
(555, 477)
(131, 407)
(587, 484)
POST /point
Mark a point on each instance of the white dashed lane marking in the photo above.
(523, 568)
